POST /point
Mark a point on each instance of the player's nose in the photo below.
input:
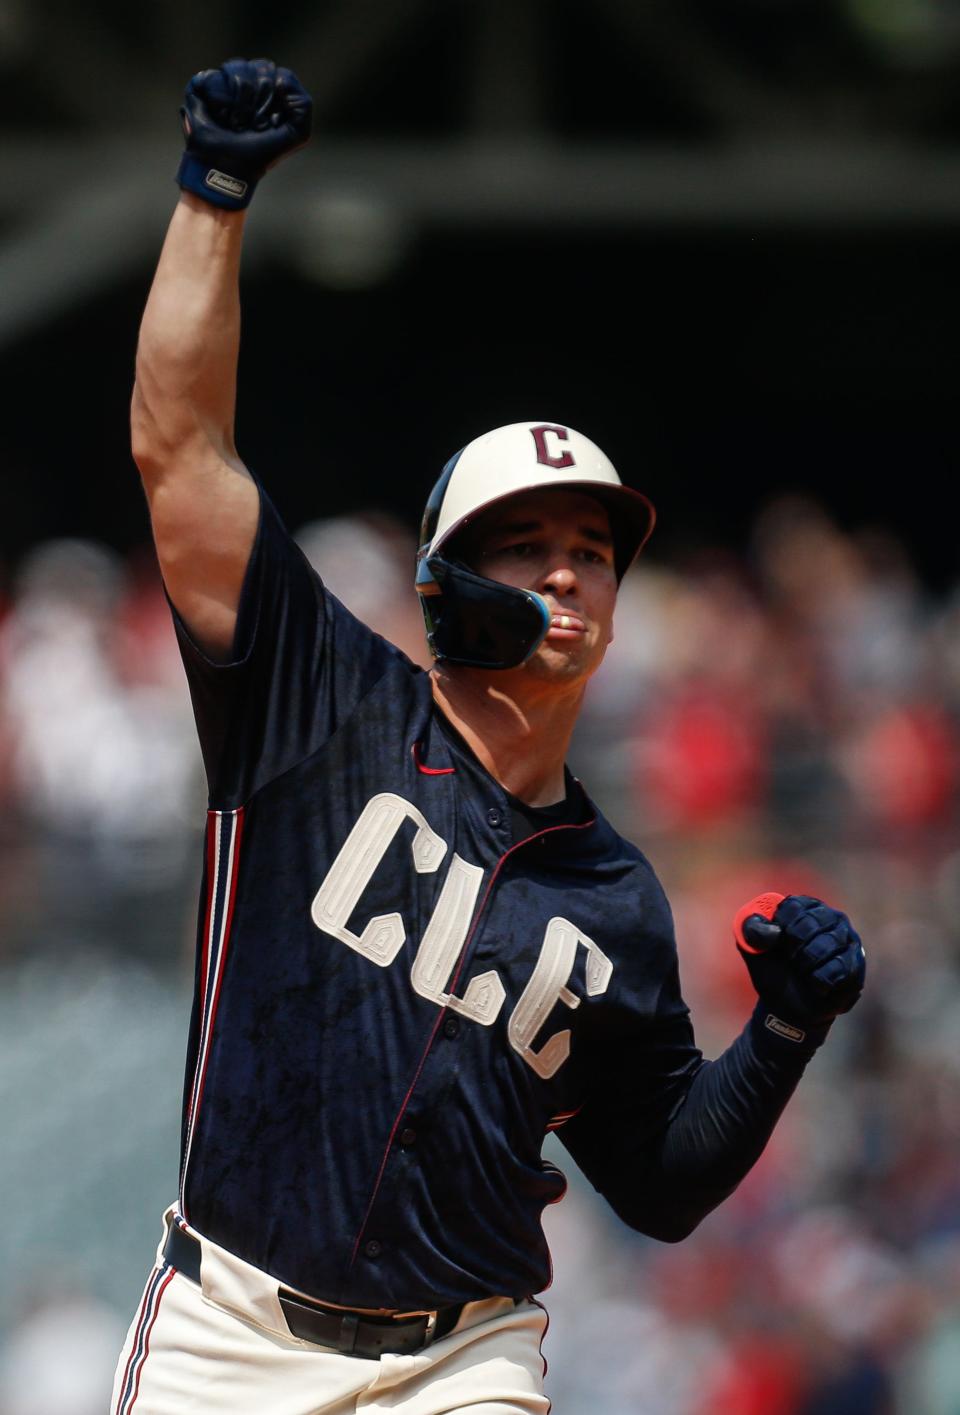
(560, 578)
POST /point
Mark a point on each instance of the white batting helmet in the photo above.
(476, 621)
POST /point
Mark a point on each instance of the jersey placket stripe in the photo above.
(430, 770)
(562, 1117)
(461, 962)
(226, 828)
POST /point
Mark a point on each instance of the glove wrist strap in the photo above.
(210, 182)
(772, 1029)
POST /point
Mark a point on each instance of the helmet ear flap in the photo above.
(477, 622)
(470, 620)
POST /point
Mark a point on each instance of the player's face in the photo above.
(559, 544)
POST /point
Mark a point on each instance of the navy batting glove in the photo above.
(805, 959)
(238, 121)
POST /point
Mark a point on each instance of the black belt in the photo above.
(352, 1333)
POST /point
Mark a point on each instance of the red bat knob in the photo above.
(764, 904)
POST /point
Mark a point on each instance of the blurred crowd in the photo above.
(786, 719)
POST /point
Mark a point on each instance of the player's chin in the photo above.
(565, 661)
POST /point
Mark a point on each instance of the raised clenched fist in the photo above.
(238, 121)
(805, 958)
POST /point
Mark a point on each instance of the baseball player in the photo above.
(420, 946)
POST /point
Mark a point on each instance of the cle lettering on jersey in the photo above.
(447, 932)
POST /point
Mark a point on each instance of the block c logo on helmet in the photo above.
(545, 457)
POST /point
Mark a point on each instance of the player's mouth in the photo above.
(566, 626)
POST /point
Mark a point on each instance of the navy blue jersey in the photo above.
(396, 998)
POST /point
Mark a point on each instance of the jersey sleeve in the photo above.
(666, 1135)
(300, 664)
(638, 1058)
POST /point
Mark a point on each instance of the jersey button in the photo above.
(408, 1136)
(494, 816)
(451, 1027)
(373, 1249)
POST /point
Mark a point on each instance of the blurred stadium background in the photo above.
(719, 236)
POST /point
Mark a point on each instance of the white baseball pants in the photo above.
(225, 1349)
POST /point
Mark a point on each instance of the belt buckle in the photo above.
(353, 1330)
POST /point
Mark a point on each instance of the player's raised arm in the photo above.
(238, 121)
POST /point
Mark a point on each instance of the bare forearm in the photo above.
(203, 503)
(185, 390)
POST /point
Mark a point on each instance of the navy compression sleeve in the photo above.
(664, 1185)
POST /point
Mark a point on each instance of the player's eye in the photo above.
(520, 549)
(592, 556)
